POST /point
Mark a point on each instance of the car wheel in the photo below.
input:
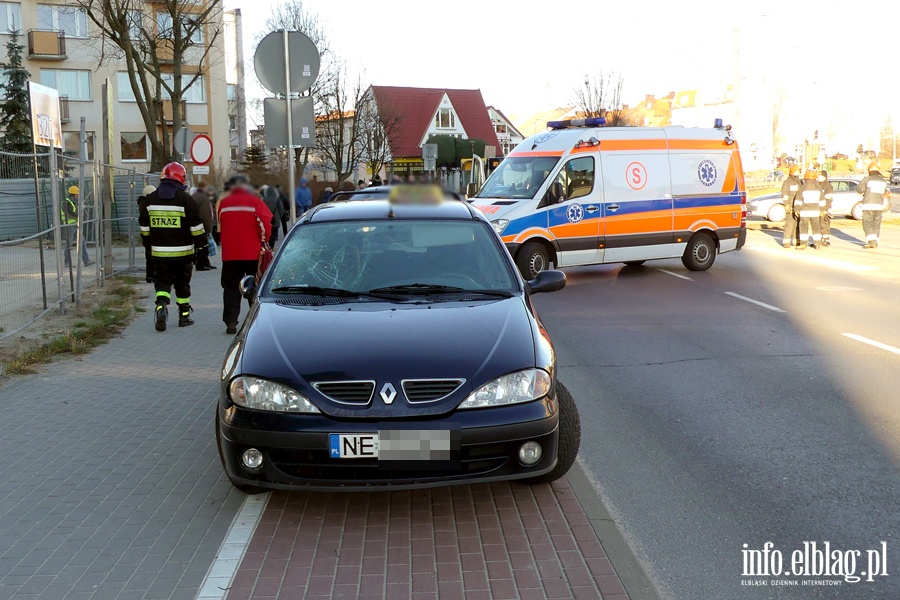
(532, 259)
(856, 211)
(700, 253)
(776, 213)
(247, 489)
(634, 263)
(569, 437)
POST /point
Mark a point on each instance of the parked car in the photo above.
(775, 175)
(846, 202)
(393, 344)
(895, 176)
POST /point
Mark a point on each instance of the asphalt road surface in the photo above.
(756, 402)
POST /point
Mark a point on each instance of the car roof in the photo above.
(378, 191)
(376, 209)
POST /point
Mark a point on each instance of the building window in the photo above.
(135, 147)
(189, 27)
(70, 143)
(123, 85)
(74, 84)
(10, 17)
(232, 122)
(71, 21)
(229, 91)
(195, 94)
(135, 25)
(444, 119)
(234, 152)
(500, 128)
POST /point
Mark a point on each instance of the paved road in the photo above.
(711, 422)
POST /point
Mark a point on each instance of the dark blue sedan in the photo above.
(392, 343)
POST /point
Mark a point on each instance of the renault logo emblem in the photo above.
(388, 393)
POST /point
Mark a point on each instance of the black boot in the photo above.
(162, 315)
(184, 315)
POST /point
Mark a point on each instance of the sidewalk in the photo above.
(113, 490)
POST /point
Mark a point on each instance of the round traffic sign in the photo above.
(201, 149)
(269, 62)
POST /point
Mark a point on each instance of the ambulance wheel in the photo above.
(532, 259)
(700, 253)
(569, 437)
(634, 263)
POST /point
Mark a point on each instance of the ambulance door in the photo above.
(576, 219)
(638, 202)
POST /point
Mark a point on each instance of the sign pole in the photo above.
(290, 126)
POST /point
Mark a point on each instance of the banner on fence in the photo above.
(45, 118)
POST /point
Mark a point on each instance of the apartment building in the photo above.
(66, 51)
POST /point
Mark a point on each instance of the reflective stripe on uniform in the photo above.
(183, 300)
(809, 213)
(166, 295)
(163, 209)
(872, 236)
(237, 209)
(145, 229)
(167, 254)
(873, 206)
(171, 248)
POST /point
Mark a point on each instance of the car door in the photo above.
(575, 220)
(844, 197)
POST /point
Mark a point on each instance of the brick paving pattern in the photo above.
(500, 540)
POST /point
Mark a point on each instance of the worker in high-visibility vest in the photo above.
(69, 219)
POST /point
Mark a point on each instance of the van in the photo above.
(584, 194)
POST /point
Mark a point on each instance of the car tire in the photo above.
(700, 253)
(531, 259)
(634, 263)
(856, 211)
(776, 213)
(247, 489)
(569, 437)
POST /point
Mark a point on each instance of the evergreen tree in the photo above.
(15, 119)
(255, 163)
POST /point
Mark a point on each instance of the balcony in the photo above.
(64, 109)
(167, 111)
(46, 45)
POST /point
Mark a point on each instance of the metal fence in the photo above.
(36, 273)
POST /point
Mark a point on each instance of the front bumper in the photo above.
(296, 456)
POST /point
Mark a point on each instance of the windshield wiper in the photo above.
(416, 288)
(314, 290)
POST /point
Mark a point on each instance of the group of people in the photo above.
(178, 229)
(807, 205)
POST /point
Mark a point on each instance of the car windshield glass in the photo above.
(355, 257)
(518, 177)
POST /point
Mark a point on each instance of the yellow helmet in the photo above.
(873, 166)
(74, 190)
(810, 174)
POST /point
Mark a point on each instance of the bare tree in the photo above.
(292, 15)
(377, 124)
(338, 125)
(601, 96)
(164, 45)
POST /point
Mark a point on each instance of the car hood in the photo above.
(497, 208)
(475, 341)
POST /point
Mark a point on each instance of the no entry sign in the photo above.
(201, 149)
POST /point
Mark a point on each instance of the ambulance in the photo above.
(584, 194)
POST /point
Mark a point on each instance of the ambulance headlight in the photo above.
(499, 224)
(262, 394)
(521, 386)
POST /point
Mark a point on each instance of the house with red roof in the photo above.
(419, 113)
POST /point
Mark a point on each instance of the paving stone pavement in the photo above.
(111, 487)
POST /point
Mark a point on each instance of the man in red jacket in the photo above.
(244, 221)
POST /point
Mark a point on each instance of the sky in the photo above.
(529, 56)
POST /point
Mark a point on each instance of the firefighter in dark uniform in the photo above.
(810, 202)
(825, 220)
(873, 189)
(171, 220)
(789, 190)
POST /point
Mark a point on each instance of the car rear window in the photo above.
(364, 255)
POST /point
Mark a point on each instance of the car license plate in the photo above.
(396, 445)
(353, 446)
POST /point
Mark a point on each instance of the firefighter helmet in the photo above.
(810, 174)
(148, 189)
(795, 168)
(174, 171)
(873, 166)
(73, 190)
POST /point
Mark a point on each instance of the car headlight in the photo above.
(499, 225)
(262, 394)
(521, 386)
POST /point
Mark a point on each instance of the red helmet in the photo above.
(174, 171)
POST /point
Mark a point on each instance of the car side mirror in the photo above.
(471, 190)
(547, 281)
(555, 192)
(248, 286)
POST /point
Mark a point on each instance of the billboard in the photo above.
(46, 124)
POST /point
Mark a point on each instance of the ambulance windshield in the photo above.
(518, 177)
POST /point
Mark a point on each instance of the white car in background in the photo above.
(846, 203)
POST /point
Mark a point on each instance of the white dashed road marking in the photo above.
(752, 301)
(866, 340)
(679, 276)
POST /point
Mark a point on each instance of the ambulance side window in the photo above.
(577, 177)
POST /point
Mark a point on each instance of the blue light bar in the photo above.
(592, 122)
(719, 124)
(557, 124)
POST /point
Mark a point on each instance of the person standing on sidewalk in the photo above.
(69, 219)
(285, 210)
(303, 196)
(810, 203)
(205, 208)
(176, 234)
(789, 190)
(873, 189)
(273, 203)
(244, 222)
(825, 220)
(145, 232)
